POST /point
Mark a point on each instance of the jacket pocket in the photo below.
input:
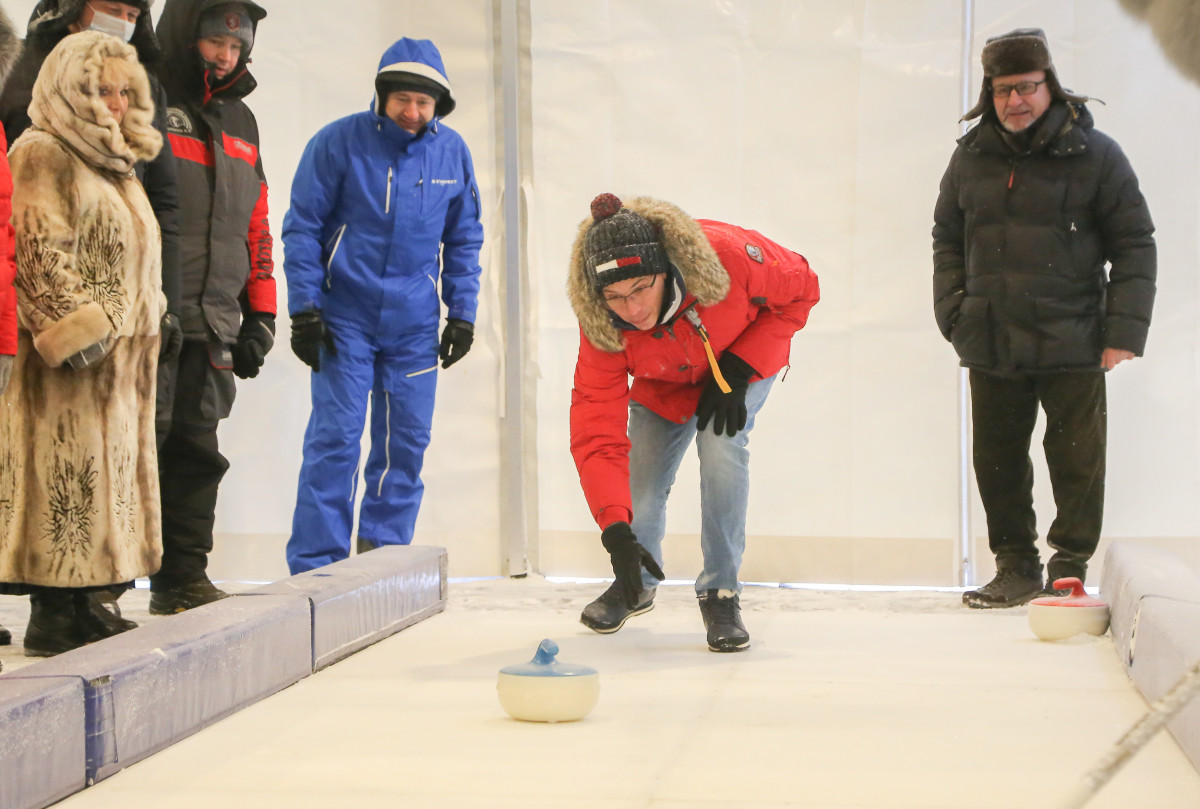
(1070, 331)
(972, 333)
(335, 243)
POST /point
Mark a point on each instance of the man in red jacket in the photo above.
(701, 314)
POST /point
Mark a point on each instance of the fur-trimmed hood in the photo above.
(10, 46)
(687, 248)
(66, 103)
(51, 19)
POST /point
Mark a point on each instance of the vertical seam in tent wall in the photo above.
(966, 561)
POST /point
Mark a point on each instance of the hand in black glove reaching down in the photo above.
(254, 340)
(727, 410)
(309, 333)
(628, 557)
(171, 342)
(456, 340)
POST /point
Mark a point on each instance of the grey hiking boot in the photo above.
(609, 612)
(722, 614)
(1018, 581)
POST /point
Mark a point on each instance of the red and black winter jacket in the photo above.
(225, 238)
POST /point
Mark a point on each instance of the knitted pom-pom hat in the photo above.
(621, 244)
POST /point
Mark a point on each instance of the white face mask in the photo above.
(114, 26)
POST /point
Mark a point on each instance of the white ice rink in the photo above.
(866, 700)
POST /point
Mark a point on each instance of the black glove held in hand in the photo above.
(727, 410)
(456, 340)
(628, 558)
(308, 335)
(171, 338)
(255, 339)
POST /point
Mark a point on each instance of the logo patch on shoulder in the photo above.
(755, 252)
(178, 121)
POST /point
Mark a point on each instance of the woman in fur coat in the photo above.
(79, 505)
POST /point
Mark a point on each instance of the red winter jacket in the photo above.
(8, 262)
(767, 293)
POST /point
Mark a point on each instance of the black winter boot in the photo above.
(1058, 568)
(609, 612)
(1018, 580)
(96, 620)
(722, 614)
(172, 600)
(53, 626)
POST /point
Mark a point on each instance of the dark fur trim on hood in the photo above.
(49, 21)
(688, 249)
(1176, 25)
(10, 46)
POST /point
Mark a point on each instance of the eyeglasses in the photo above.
(635, 294)
(1023, 88)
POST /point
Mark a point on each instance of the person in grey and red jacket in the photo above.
(701, 314)
(228, 304)
(1044, 278)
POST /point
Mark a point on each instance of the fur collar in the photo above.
(688, 249)
(66, 104)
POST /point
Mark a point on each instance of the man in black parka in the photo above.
(1044, 279)
(228, 290)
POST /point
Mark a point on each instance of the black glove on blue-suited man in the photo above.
(309, 333)
(456, 341)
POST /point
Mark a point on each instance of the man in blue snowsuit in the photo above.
(376, 197)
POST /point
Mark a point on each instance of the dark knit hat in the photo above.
(1023, 50)
(395, 82)
(227, 19)
(621, 244)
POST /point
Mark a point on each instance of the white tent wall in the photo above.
(826, 125)
(314, 66)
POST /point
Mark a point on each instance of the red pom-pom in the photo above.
(605, 206)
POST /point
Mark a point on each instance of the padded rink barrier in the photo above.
(42, 741)
(363, 599)
(1154, 599)
(76, 719)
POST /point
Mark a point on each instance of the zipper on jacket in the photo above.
(1012, 173)
(337, 242)
(387, 200)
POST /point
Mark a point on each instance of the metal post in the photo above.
(515, 503)
(966, 555)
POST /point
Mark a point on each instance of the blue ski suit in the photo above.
(381, 220)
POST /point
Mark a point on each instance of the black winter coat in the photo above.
(1021, 241)
(48, 25)
(225, 239)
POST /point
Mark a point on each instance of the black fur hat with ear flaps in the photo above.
(1023, 50)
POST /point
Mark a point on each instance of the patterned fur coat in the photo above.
(79, 502)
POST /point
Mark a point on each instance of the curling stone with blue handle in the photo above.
(545, 690)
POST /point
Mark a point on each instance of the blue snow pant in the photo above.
(400, 377)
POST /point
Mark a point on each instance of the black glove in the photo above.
(171, 333)
(308, 334)
(255, 339)
(456, 340)
(628, 558)
(727, 410)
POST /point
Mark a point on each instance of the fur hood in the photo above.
(10, 46)
(66, 103)
(50, 20)
(1176, 25)
(687, 248)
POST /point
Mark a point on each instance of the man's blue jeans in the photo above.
(657, 449)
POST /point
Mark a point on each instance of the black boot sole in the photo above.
(608, 630)
(983, 604)
(730, 648)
